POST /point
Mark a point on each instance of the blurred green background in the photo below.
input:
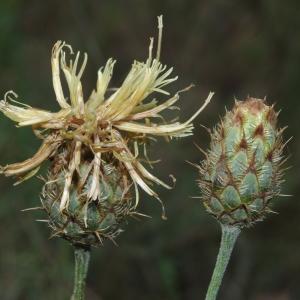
(235, 48)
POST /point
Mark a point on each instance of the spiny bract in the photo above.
(108, 130)
(241, 172)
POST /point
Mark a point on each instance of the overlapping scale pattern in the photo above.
(242, 170)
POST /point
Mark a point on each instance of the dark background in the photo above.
(234, 48)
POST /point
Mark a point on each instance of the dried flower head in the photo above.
(107, 130)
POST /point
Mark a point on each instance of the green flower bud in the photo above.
(242, 170)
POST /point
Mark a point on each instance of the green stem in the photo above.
(82, 257)
(229, 236)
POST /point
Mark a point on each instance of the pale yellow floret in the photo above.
(174, 129)
(55, 63)
(25, 115)
(97, 97)
(73, 81)
(47, 148)
(94, 192)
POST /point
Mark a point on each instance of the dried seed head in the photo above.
(242, 171)
(106, 129)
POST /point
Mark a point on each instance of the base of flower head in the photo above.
(86, 221)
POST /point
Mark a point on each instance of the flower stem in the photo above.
(82, 257)
(229, 236)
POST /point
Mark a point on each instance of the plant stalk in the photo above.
(82, 258)
(229, 236)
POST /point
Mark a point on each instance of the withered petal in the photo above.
(41, 155)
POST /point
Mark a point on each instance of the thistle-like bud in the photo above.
(95, 144)
(242, 170)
